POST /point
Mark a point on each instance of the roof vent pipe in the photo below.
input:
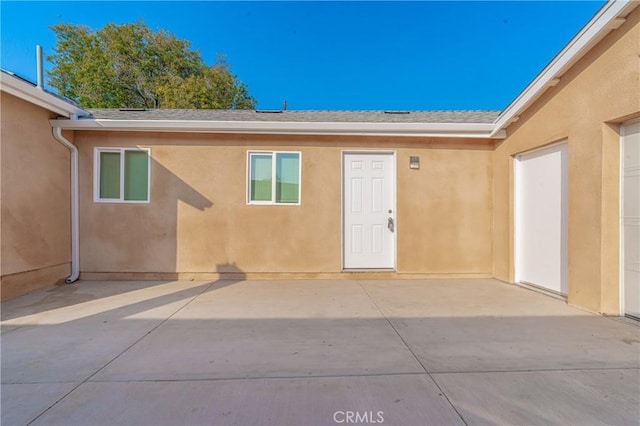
(39, 67)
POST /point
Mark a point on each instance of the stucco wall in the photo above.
(35, 215)
(198, 221)
(586, 107)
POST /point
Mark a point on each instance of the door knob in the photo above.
(390, 224)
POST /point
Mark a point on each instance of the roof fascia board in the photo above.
(29, 93)
(469, 130)
(594, 31)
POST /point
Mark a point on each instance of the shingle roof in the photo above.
(298, 116)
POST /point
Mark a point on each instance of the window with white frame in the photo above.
(121, 175)
(273, 177)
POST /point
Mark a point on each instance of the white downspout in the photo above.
(75, 225)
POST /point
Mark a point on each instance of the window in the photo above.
(121, 175)
(274, 178)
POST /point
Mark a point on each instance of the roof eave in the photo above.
(464, 130)
(605, 21)
(29, 93)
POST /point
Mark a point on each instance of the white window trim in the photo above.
(273, 178)
(96, 175)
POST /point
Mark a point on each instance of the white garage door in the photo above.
(630, 231)
(541, 218)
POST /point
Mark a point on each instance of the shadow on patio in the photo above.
(295, 352)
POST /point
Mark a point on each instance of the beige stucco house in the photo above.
(544, 193)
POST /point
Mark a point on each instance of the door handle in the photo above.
(390, 224)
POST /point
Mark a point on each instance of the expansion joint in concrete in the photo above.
(440, 390)
(121, 353)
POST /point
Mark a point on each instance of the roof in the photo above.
(454, 124)
(24, 89)
(298, 116)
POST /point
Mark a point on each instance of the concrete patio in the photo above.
(437, 352)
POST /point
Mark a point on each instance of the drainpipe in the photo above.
(75, 226)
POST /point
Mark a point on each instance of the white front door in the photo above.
(631, 218)
(541, 218)
(369, 210)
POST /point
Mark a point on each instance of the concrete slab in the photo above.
(58, 341)
(595, 397)
(95, 300)
(22, 403)
(295, 352)
(183, 350)
(269, 329)
(462, 298)
(485, 325)
(388, 400)
(516, 344)
(280, 299)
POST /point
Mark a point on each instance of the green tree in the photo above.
(130, 66)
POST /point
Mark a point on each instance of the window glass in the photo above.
(122, 175)
(136, 175)
(287, 177)
(261, 180)
(110, 175)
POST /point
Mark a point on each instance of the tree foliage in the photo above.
(130, 66)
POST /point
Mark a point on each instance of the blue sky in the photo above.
(338, 55)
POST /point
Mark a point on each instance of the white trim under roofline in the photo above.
(23, 90)
(465, 130)
(608, 18)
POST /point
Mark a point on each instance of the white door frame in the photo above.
(343, 153)
(517, 260)
(621, 248)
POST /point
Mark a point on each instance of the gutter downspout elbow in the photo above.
(75, 225)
